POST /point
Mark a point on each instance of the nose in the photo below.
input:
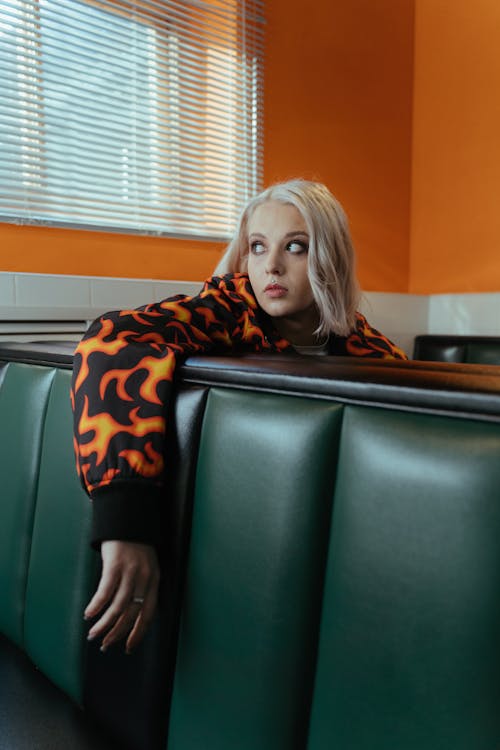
(274, 265)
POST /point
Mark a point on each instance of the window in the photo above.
(132, 116)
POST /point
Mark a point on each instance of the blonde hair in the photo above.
(331, 261)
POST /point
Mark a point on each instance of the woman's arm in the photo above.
(122, 381)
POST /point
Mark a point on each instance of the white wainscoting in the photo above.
(401, 317)
(51, 306)
(465, 314)
(57, 307)
(404, 316)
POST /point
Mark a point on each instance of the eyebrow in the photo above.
(288, 235)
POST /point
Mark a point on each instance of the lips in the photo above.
(274, 291)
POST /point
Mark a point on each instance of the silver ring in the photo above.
(138, 600)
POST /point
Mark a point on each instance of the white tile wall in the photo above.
(45, 291)
(53, 297)
(7, 290)
(401, 317)
(465, 314)
(164, 289)
(32, 297)
(110, 294)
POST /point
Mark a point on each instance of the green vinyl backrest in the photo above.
(409, 653)
(473, 349)
(61, 569)
(46, 564)
(24, 393)
(252, 602)
(483, 353)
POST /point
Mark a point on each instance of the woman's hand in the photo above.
(127, 593)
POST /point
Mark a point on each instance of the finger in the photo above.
(123, 625)
(105, 591)
(115, 610)
(129, 570)
(133, 613)
(143, 620)
(119, 618)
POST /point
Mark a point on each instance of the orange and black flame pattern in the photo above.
(366, 341)
(124, 367)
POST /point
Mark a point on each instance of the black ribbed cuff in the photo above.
(129, 512)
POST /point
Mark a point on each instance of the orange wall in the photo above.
(67, 251)
(456, 152)
(337, 108)
(341, 107)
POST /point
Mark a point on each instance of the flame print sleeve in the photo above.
(366, 341)
(123, 371)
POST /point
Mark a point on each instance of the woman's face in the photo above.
(278, 244)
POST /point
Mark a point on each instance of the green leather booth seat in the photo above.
(484, 350)
(333, 573)
(54, 690)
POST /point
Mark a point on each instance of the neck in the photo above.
(299, 330)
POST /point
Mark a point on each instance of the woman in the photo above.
(286, 283)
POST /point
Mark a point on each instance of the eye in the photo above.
(296, 247)
(257, 247)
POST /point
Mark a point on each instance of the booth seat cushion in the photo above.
(482, 350)
(342, 575)
(46, 564)
(48, 571)
(47, 568)
(61, 571)
(24, 395)
(409, 646)
(250, 616)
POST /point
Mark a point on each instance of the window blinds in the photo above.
(132, 116)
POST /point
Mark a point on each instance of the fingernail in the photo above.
(103, 649)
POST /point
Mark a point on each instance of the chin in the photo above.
(277, 310)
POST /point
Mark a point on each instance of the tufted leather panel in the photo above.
(483, 350)
(483, 353)
(62, 565)
(23, 401)
(255, 569)
(45, 564)
(409, 655)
